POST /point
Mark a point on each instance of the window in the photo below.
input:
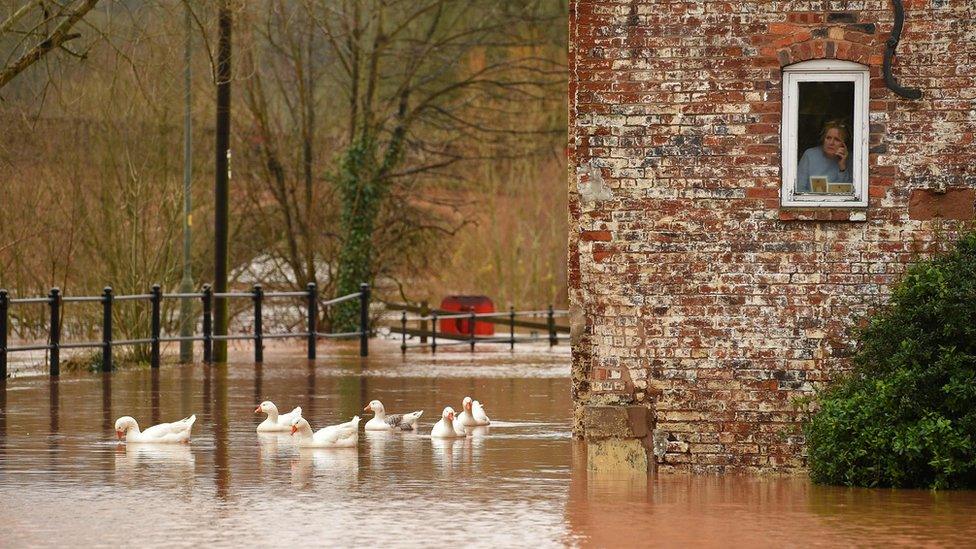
(825, 134)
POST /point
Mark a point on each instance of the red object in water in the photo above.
(466, 304)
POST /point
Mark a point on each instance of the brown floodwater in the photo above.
(64, 480)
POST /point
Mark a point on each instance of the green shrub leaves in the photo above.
(906, 415)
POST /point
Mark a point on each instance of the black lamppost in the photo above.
(222, 177)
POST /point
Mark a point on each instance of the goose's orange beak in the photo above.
(294, 429)
(258, 409)
(450, 417)
(119, 434)
(366, 408)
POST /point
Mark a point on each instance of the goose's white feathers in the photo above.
(344, 435)
(382, 422)
(459, 427)
(445, 427)
(478, 412)
(177, 431)
(467, 416)
(276, 422)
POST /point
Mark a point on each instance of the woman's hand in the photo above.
(842, 158)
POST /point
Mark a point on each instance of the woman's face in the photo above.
(833, 141)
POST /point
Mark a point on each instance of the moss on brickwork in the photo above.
(617, 455)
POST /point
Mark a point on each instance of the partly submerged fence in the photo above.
(428, 320)
(55, 300)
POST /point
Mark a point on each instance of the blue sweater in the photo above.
(816, 164)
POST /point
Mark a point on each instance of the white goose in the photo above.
(344, 435)
(178, 431)
(383, 422)
(275, 422)
(467, 416)
(445, 427)
(459, 427)
(478, 412)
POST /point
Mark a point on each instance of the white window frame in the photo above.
(826, 70)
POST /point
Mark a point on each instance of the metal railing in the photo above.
(55, 300)
(428, 322)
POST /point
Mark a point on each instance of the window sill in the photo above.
(857, 214)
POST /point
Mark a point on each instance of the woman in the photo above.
(828, 160)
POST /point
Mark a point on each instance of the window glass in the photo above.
(825, 118)
(825, 134)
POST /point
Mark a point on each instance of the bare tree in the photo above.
(360, 115)
(91, 184)
(422, 82)
(36, 28)
(363, 131)
(282, 96)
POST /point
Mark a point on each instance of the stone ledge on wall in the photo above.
(618, 438)
(823, 214)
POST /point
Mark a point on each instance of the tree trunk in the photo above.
(361, 195)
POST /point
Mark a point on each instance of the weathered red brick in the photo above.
(593, 236)
(712, 305)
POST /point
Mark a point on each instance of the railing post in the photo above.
(207, 324)
(433, 333)
(471, 329)
(364, 319)
(258, 327)
(403, 333)
(313, 314)
(4, 304)
(424, 311)
(107, 299)
(551, 321)
(156, 300)
(511, 328)
(54, 300)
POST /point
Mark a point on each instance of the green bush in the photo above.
(906, 415)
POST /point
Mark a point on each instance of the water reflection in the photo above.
(207, 389)
(274, 446)
(308, 409)
(352, 392)
(154, 395)
(446, 450)
(736, 510)
(108, 422)
(155, 458)
(520, 482)
(332, 466)
(148, 468)
(186, 390)
(378, 443)
(3, 417)
(258, 383)
(54, 405)
(222, 471)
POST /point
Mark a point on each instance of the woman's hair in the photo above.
(838, 125)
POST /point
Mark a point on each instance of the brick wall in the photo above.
(694, 293)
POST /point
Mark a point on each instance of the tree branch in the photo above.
(60, 35)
